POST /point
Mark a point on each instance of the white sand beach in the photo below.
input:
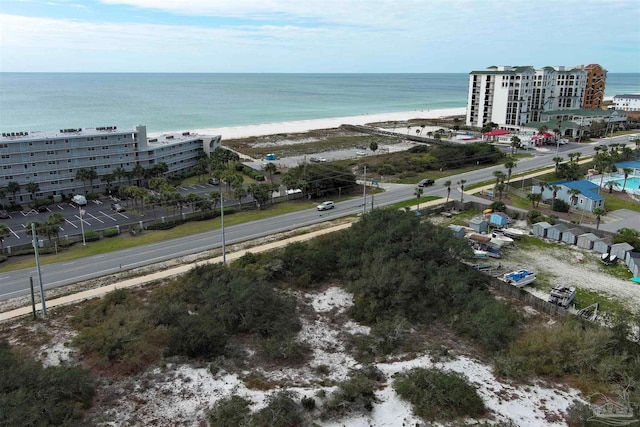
(307, 125)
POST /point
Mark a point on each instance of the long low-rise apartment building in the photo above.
(52, 159)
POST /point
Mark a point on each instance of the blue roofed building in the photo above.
(587, 200)
(633, 164)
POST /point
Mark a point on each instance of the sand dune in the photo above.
(306, 125)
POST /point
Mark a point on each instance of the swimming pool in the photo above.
(632, 185)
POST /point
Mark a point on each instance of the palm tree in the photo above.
(52, 226)
(574, 192)
(418, 192)
(83, 175)
(578, 154)
(610, 185)
(499, 188)
(138, 172)
(571, 156)
(599, 213)
(4, 232)
(515, 144)
(542, 185)
(32, 188)
(374, 145)
(535, 199)
(557, 161)
(13, 187)
(270, 169)
(500, 176)
(239, 193)
(626, 172)
(509, 165)
(554, 189)
(461, 184)
(448, 185)
(108, 178)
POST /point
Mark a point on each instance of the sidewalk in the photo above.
(171, 272)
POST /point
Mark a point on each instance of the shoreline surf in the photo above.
(300, 126)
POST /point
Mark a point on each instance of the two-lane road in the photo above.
(16, 283)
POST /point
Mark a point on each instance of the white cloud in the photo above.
(330, 35)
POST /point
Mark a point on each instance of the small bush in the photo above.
(91, 236)
(560, 206)
(230, 412)
(282, 410)
(110, 232)
(308, 403)
(356, 395)
(438, 395)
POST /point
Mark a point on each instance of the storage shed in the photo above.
(498, 218)
(620, 250)
(633, 262)
(457, 230)
(586, 240)
(555, 231)
(602, 246)
(570, 236)
(479, 225)
(540, 229)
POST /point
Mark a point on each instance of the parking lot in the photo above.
(95, 215)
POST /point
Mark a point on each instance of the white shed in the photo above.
(555, 231)
(620, 250)
(540, 229)
(586, 240)
(570, 236)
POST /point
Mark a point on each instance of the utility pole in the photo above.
(35, 250)
(364, 191)
(224, 249)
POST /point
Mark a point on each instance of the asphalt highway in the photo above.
(16, 283)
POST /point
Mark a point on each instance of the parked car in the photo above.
(563, 141)
(361, 153)
(426, 182)
(117, 207)
(322, 159)
(4, 214)
(79, 200)
(314, 160)
(324, 206)
(214, 181)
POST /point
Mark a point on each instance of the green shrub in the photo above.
(308, 403)
(356, 395)
(230, 412)
(282, 410)
(31, 395)
(438, 395)
(197, 336)
(560, 206)
(110, 232)
(498, 206)
(91, 236)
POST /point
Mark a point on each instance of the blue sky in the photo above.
(406, 36)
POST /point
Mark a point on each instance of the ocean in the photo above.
(173, 102)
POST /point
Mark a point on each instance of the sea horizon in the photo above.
(166, 102)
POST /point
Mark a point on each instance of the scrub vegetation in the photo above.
(405, 275)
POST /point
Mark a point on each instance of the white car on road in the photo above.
(325, 206)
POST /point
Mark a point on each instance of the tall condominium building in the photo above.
(594, 91)
(52, 159)
(513, 96)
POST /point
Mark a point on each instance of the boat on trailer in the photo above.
(519, 278)
(514, 233)
(589, 313)
(562, 295)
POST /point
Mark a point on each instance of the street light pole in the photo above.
(35, 250)
(80, 211)
(364, 191)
